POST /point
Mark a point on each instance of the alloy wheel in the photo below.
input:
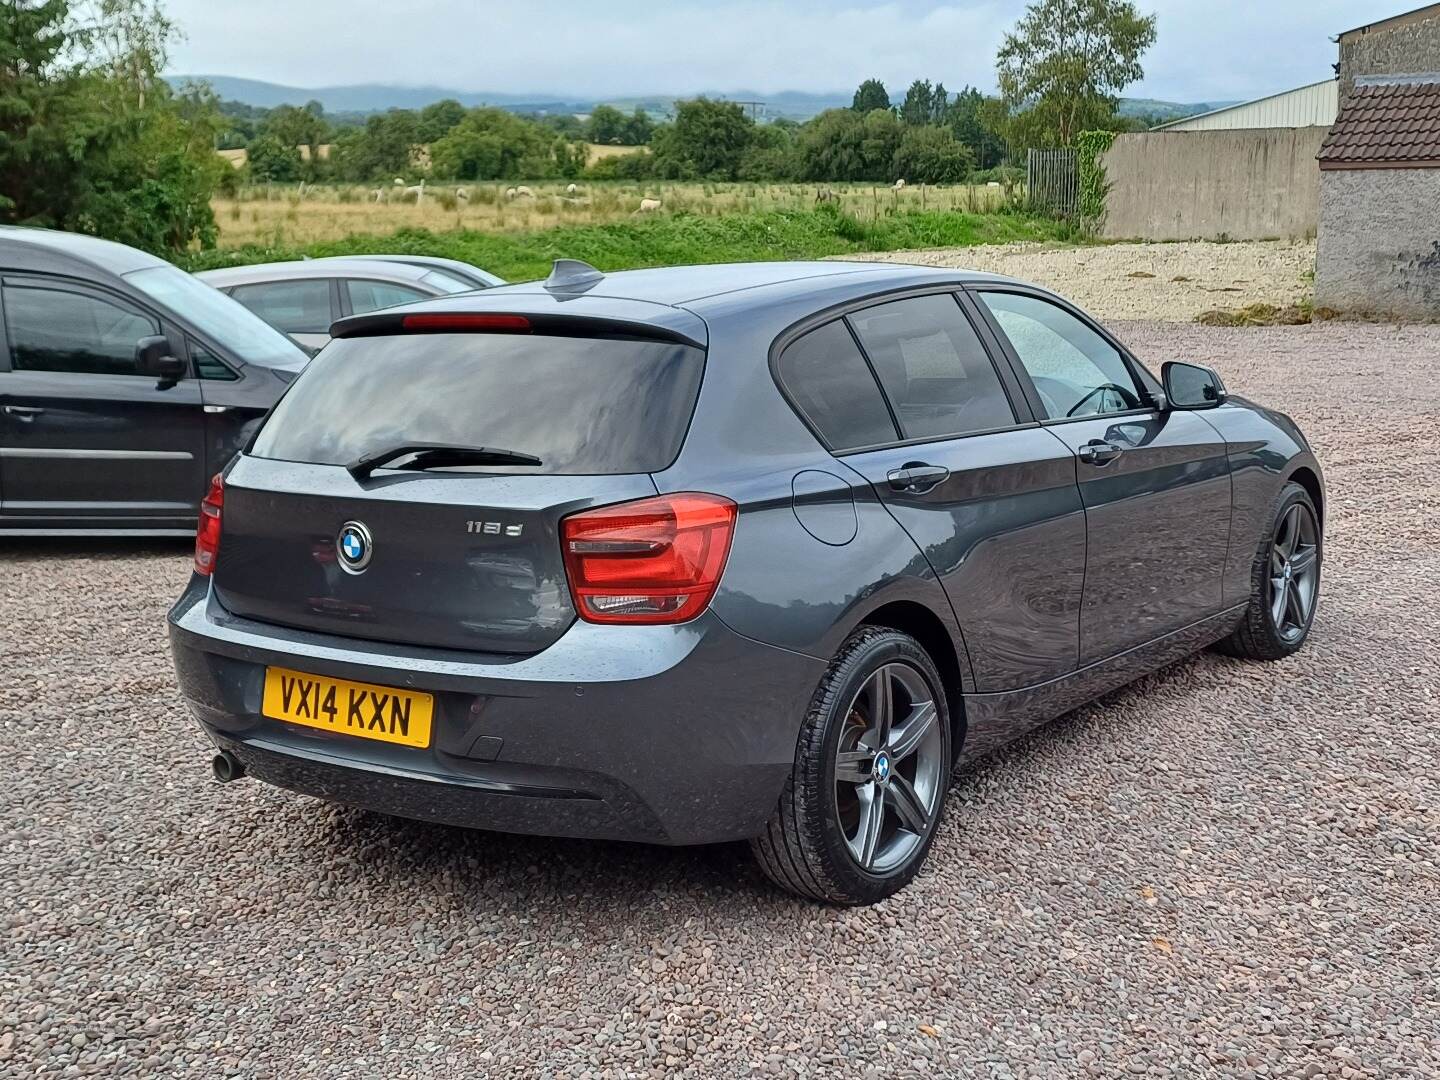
(1294, 572)
(888, 768)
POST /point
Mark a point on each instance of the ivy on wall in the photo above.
(1090, 147)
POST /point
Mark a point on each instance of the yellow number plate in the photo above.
(352, 708)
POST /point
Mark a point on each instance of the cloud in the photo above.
(1207, 49)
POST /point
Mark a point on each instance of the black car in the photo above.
(727, 552)
(125, 384)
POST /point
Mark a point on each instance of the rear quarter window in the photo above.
(583, 406)
(828, 380)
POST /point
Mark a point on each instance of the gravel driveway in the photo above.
(1174, 282)
(1226, 869)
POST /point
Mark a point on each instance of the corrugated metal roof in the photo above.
(1315, 105)
(1386, 123)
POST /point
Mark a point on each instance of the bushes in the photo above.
(932, 155)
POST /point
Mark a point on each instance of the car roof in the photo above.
(456, 267)
(25, 248)
(682, 286)
(338, 266)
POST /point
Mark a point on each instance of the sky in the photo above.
(1207, 50)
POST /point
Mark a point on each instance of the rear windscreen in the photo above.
(581, 405)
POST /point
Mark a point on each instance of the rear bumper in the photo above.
(672, 735)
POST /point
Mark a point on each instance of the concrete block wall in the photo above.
(1379, 243)
(1204, 185)
(1408, 47)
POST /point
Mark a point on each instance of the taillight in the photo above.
(207, 533)
(656, 560)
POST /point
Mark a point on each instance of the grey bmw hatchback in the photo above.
(715, 553)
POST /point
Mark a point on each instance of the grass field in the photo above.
(668, 239)
(289, 215)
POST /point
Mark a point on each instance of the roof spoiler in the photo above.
(408, 321)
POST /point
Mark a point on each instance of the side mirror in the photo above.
(1190, 386)
(153, 358)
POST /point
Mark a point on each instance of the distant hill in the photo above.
(361, 98)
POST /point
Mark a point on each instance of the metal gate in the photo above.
(1052, 181)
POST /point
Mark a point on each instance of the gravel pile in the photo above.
(1227, 869)
(1174, 282)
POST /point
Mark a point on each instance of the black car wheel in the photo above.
(863, 802)
(1285, 582)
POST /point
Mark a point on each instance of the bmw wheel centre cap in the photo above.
(882, 767)
(354, 547)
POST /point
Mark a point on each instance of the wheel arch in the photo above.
(1309, 479)
(922, 624)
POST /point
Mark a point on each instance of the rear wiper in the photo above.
(438, 456)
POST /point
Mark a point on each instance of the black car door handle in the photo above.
(916, 478)
(1100, 452)
(24, 412)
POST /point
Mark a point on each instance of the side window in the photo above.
(208, 365)
(933, 366)
(368, 296)
(292, 307)
(57, 330)
(828, 380)
(1075, 370)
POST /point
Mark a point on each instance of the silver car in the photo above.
(303, 298)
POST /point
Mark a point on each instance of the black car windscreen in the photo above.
(581, 405)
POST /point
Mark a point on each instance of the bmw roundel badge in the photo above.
(354, 547)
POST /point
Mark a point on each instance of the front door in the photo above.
(85, 441)
(1156, 485)
(988, 495)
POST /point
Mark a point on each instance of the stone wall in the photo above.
(1258, 184)
(1408, 47)
(1379, 243)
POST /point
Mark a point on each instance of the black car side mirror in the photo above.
(1190, 386)
(153, 358)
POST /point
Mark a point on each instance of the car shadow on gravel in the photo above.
(481, 868)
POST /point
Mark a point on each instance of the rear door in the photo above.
(86, 441)
(302, 308)
(1156, 485)
(464, 557)
(988, 495)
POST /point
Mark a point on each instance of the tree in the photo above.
(841, 144)
(270, 159)
(924, 104)
(870, 96)
(932, 155)
(383, 148)
(971, 116)
(91, 138)
(1062, 68)
(290, 128)
(639, 128)
(492, 144)
(706, 142)
(606, 125)
(438, 118)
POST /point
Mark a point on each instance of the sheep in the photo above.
(378, 195)
(993, 183)
(899, 185)
(648, 206)
(510, 193)
(524, 192)
(399, 181)
(417, 190)
(571, 189)
(826, 195)
(462, 194)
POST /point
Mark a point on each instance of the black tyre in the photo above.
(1284, 584)
(872, 767)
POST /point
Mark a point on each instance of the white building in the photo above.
(1315, 105)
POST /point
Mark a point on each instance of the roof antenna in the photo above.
(572, 275)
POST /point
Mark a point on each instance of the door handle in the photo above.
(1099, 452)
(23, 412)
(916, 478)
(215, 410)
